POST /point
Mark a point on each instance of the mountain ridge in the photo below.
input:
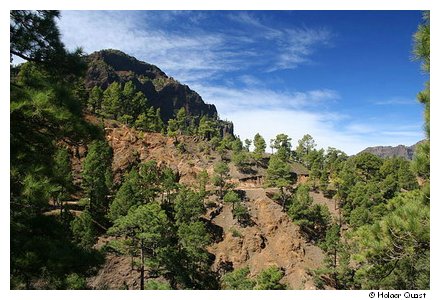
(406, 152)
(107, 66)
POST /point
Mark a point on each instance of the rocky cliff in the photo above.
(162, 91)
(390, 151)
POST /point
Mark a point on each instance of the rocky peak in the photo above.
(162, 91)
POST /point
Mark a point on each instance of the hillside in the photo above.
(272, 239)
(123, 178)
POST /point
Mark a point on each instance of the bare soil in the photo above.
(271, 238)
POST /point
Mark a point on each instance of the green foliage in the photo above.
(203, 179)
(237, 145)
(150, 180)
(278, 175)
(259, 147)
(42, 254)
(237, 280)
(207, 128)
(149, 121)
(128, 195)
(332, 239)
(168, 181)
(147, 226)
(188, 206)
(231, 197)
(221, 174)
(45, 109)
(236, 233)
(312, 219)
(282, 143)
(240, 212)
(269, 279)
(153, 284)
(111, 103)
(83, 230)
(305, 146)
(97, 178)
(393, 252)
(367, 166)
(35, 38)
(240, 160)
(173, 128)
(421, 161)
(315, 159)
(421, 38)
(126, 119)
(34, 35)
(95, 99)
(62, 173)
(182, 121)
(247, 143)
(194, 238)
(75, 282)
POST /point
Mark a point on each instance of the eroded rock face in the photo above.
(272, 240)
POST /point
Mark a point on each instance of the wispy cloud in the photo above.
(188, 51)
(221, 62)
(229, 99)
(396, 101)
(290, 46)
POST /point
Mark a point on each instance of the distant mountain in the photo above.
(390, 151)
(162, 91)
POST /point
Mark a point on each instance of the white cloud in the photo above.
(196, 56)
(327, 130)
(295, 123)
(269, 113)
(230, 100)
(190, 53)
(183, 57)
(396, 101)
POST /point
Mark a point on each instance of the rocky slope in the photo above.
(271, 238)
(390, 151)
(162, 91)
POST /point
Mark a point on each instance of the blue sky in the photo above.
(345, 77)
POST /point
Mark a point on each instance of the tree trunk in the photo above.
(334, 270)
(283, 198)
(142, 267)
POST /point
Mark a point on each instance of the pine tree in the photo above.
(221, 170)
(305, 146)
(282, 143)
(237, 280)
(278, 175)
(111, 103)
(231, 197)
(259, 147)
(147, 227)
(269, 279)
(97, 178)
(95, 99)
